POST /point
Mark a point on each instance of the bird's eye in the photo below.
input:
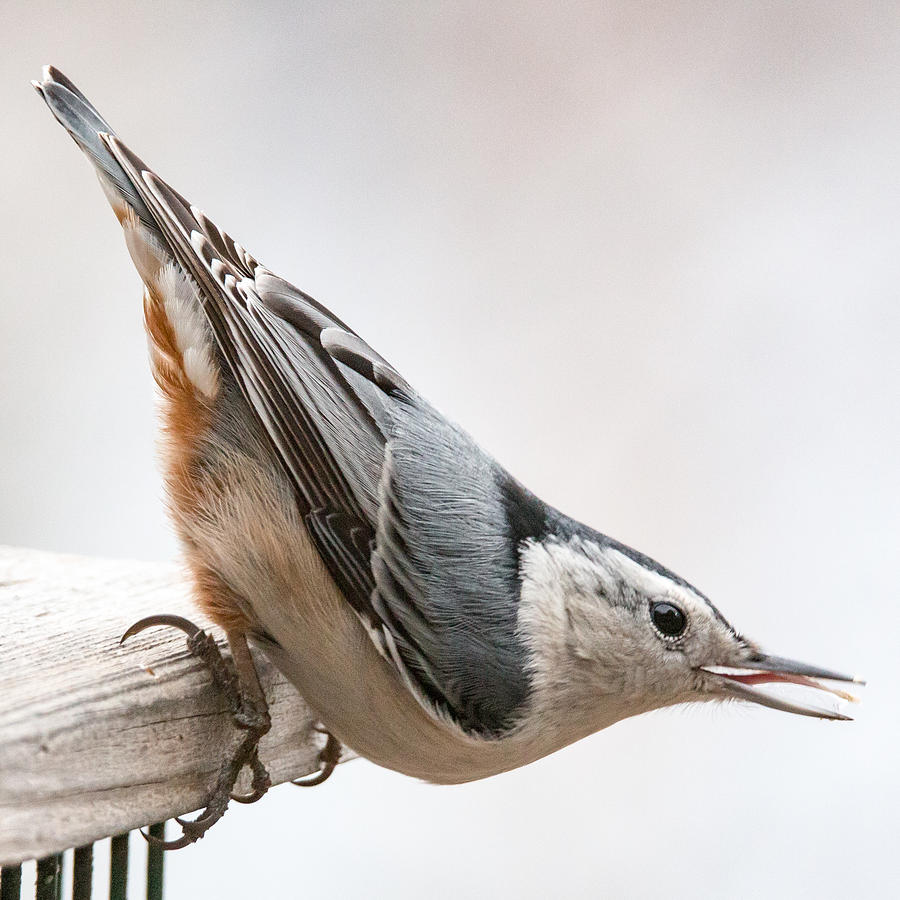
(668, 619)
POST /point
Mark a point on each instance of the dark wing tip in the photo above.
(52, 75)
(357, 355)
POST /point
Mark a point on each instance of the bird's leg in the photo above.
(329, 757)
(238, 681)
(253, 717)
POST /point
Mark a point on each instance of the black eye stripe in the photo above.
(667, 618)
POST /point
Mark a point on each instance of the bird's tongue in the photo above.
(749, 677)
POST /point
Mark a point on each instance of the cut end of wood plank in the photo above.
(97, 738)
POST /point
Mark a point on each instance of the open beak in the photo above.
(741, 683)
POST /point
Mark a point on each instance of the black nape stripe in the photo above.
(527, 516)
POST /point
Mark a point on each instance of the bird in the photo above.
(441, 620)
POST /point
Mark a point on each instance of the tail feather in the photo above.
(182, 355)
(79, 117)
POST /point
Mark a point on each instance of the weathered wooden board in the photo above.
(98, 738)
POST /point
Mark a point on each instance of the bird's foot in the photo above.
(329, 757)
(239, 684)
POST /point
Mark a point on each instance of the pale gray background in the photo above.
(645, 253)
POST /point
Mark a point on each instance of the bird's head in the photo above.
(611, 634)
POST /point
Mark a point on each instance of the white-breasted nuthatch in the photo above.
(440, 619)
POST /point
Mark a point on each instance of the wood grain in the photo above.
(98, 738)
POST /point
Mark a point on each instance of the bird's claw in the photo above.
(185, 625)
(329, 757)
(192, 830)
(176, 844)
(259, 785)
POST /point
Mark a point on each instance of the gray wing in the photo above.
(414, 521)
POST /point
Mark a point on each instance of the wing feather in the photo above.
(402, 507)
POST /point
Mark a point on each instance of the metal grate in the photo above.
(52, 871)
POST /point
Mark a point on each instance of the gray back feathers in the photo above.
(446, 569)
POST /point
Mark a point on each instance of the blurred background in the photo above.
(645, 253)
